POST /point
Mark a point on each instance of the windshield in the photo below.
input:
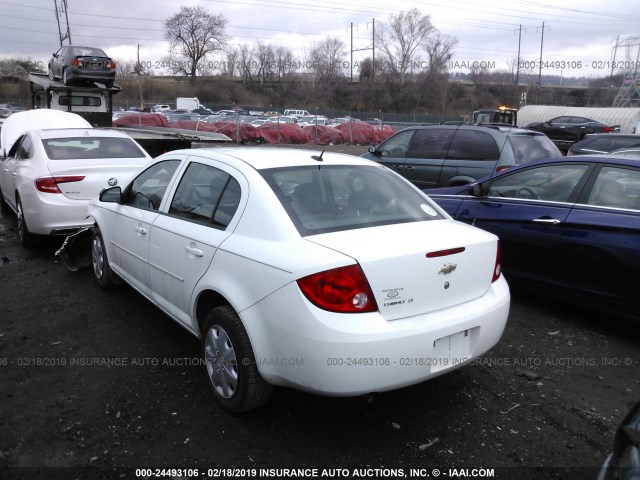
(329, 198)
(72, 148)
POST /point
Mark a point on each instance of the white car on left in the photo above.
(49, 174)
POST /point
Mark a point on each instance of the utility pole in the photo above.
(139, 65)
(372, 47)
(518, 65)
(63, 8)
(540, 71)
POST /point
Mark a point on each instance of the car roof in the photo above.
(77, 132)
(596, 158)
(29, 120)
(260, 158)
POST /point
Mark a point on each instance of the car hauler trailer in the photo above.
(94, 102)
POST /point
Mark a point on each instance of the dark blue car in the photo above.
(568, 226)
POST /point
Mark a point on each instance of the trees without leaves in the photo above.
(194, 33)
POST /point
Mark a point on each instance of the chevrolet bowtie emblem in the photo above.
(447, 268)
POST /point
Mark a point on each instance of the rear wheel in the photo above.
(101, 268)
(231, 365)
(4, 206)
(27, 238)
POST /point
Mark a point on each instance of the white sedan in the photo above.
(48, 175)
(322, 272)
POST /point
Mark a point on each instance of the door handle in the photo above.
(194, 251)
(141, 231)
(553, 221)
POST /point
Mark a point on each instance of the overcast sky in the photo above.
(579, 33)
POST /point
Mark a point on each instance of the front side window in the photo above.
(206, 195)
(616, 188)
(147, 190)
(324, 198)
(553, 183)
(397, 145)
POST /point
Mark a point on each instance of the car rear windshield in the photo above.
(330, 198)
(72, 148)
(527, 148)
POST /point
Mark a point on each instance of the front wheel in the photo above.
(101, 269)
(231, 365)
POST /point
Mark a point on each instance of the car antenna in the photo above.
(318, 157)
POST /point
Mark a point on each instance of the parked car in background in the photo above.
(447, 155)
(48, 175)
(604, 143)
(160, 109)
(283, 119)
(284, 253)
(567, 130)
(627, 152)
(568, 227)
(71, 64)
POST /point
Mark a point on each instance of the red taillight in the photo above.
(497, 269)
(50, 184)
(502, 168)
(608, 129)
(76, 63)
(341, 290)
(111, 65)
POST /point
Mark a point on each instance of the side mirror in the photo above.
(475, 190)
(111, 195)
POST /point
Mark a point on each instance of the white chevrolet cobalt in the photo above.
(318, 271)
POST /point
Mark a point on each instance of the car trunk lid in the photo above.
(108, 173)
(420, 267)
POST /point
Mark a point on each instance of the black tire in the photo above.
(100, 262)
(27, 238)
(4, 206)
(231, 366)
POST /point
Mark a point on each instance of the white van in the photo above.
(296, 113)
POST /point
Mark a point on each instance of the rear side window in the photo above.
(473, 145)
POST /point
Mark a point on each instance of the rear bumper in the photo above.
(54, 214)
(310, 349)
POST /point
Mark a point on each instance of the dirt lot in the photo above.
(97, 384)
